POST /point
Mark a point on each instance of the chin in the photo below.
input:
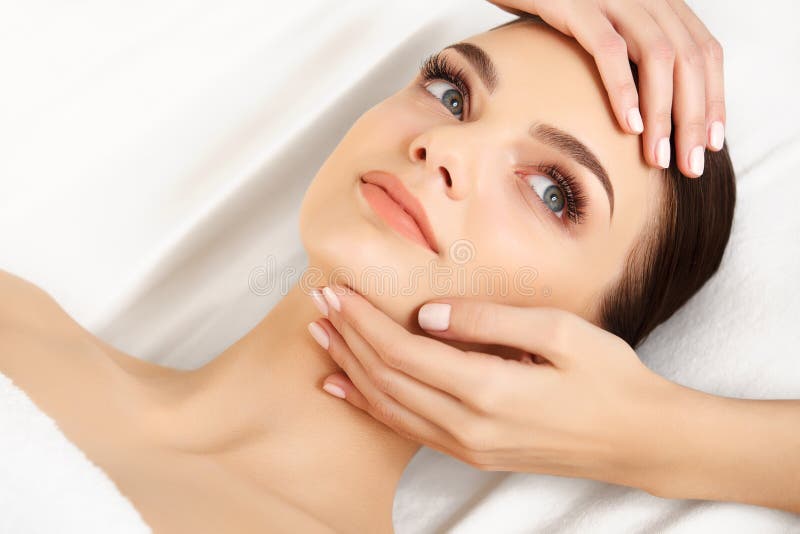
(343, 246)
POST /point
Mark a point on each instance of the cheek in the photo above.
(338, 236)
(518, 258)
(379, 138)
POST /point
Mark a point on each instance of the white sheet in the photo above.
(48, 483)
(154, 156)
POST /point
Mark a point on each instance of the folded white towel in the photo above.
(47, 484)
(205, 121)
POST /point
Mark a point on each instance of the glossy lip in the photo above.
(403, 197)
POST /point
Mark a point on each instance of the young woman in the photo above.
(504, 141)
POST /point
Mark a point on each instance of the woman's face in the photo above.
(505, 229)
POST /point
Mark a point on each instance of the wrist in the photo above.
(678, 451)
(656, 451)
(683, 443)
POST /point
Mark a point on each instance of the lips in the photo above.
(401, 210)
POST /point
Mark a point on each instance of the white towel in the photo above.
(47, 484)
(160, 152)
(737, 337)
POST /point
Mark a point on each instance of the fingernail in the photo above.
(696, 160)
(333, 389)
(635, 120)
(662, 152)
(319, 301)
(319, 334)
(434, 316)
(331, 297)
(717, 137)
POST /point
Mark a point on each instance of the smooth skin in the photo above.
(389, 370)
(680, 69)
(616, 421)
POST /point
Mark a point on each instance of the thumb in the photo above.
(545, 332)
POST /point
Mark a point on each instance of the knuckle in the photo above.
(661, 50)
(463, 435)
(384, 412)
(663, 117)
(617, 348)
(695, 127)
(611, 43)
(692, 56)
(713, 49)
(479, 318)
(474, 437)
(485, 398)
(476, 459)
(392, 355)
(627, 88)
(385, 381)
(354, 320)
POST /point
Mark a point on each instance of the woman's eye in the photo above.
(550, 193)
(450, 97)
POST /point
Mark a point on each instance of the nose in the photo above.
(441, 161)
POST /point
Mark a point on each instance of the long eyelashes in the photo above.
(576, 199)
(437, 67)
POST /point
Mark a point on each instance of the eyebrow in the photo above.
(545, 133)
(480, 61)
(580, 153)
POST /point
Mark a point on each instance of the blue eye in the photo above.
(557, 189)
(446, 82)
(550, 193)
(450, 97)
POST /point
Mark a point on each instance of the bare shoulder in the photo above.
(35, 329)
(34, 326)
(23, 304)
(13, 286)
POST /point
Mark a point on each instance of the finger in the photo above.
(355, 398)
(507, 7)
(714, 77)
(654, 56)
(378, 404)
(553, 13)
(345, 389)
(596, 34)
(434, 405)
(459, 373)
(548, 332)
(689, 102)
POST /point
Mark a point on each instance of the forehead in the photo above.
(546, 76)
(549, 77)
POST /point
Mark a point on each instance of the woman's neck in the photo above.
(259, 409)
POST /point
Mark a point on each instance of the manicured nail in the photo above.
(319, 334)
(334, 390)
(319, 301)
(331, 297)
(717, 137)
(662, 152)
(635, 120)
(696, 160)
(434, 316)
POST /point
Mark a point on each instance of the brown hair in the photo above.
(678, 252)
(674, 257)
